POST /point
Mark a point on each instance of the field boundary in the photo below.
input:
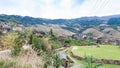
(105, 61)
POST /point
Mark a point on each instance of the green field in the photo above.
(104, 51)
(83, 64)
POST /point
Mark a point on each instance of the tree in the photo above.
(56, 60)
(28, 35)
(39, 43)
(35, 41)
(52, 35)
(30, 40)
(51, 32)
(114, 21)
(14, 41)
(9, 40)
(17, 46)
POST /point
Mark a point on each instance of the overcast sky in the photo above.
(54, 9)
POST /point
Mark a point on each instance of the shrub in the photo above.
(16, 50)
(56, 60)
(1, 64)
(45, 65)
(17, 45)
(6, 64)
(46, 57)
(9, 40)
(90, 61)
(35, 41)
(56, 44)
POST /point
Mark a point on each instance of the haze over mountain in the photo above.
(55, 9)
(99, 26)
(82, 20)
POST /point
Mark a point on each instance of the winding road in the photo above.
(76, 64)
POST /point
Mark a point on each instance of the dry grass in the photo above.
(107, 32)
(95, 32)
(57, 29)
(112, 32)
(27, 59)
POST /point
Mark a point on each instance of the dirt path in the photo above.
(76, 64)
(5, 52)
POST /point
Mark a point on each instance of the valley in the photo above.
(47, 40)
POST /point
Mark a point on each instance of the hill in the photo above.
(99, 26)
(94, 32)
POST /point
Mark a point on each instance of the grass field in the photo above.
(83, 64)
(105, 51)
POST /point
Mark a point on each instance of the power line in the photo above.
(109, 5)
(94, 7)
(102, 6)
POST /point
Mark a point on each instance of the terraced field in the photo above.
(104, 51)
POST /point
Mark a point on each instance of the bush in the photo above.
(46, 57)
(35, 41)
(56, 44)
(89, 60)
(9, 40)
(17, 45)
(6, 64)
(56, 60)
(41, 44)
(1, 64)
(75, 42)
(16, 50)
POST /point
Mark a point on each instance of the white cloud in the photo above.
(60, 8)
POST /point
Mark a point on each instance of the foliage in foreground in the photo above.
(6, 64)
(44, 45)
(9, 40)
(17, 46)
(90, 62)
(56, 61)
(13, 41)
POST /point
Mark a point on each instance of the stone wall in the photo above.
(106, 61)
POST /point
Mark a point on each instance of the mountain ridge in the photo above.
(76, 25)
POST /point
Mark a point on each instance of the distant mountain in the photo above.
(96, 25)
(108, 33)
(23, 20)
(30, 20)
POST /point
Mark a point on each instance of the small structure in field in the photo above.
(80, 36)
(65, 61)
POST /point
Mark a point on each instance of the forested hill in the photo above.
(22, 19)
(111, 20)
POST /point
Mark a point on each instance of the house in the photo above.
(118, 42)
(79, 36)
(101, 40)
(112, 42)
(6, 29)
(17, 28)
